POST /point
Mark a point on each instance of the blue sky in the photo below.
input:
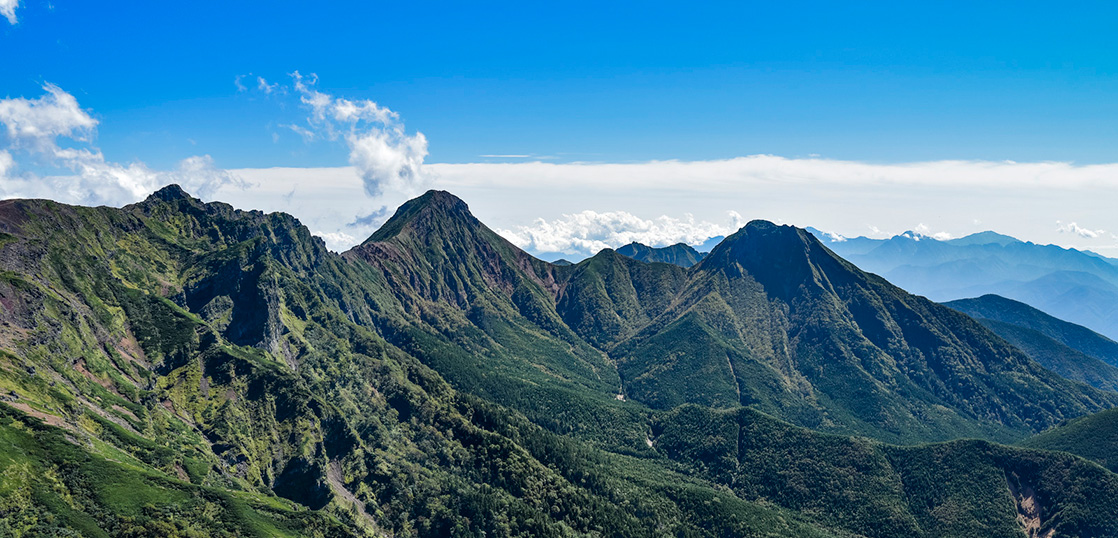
(876, 82)
(883, 81)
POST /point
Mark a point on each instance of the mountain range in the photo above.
(179, 368)
(1073, 285)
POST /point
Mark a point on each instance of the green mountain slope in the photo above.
(232, 351)
(483, 314)
(1094, 437)
(50, 486)
(180, 363)
(962, 488)
(678, 254)
(772, 319)
(1036, 333)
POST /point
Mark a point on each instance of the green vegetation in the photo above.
(960, 488)
(180, 367)
(51, 487)
(1094, 437)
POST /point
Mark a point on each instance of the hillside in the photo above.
(220, 371)
(1094, 437)
(229, 350)
(964, 488)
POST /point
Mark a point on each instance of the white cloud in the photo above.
(587, 232)
(337, 241)
(1018, 198)
(330, 201)
(731, 175)
(35, 128)
(36, 123)
(847, 198)
(6, 164)
(925, 231)
(1076, 229)
(263, 85)
(8, 10)
(833, 237)
(385, 156)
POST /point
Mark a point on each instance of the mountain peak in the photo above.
(170, 193)
(434, 209)
(987, 237)
(780, 257)
(442, 200)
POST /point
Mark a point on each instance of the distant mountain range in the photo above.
(1073, 285)
(180, 368)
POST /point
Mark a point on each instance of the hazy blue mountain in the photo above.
(1077, 286)
(678, 254)
(1054, 343)
(1009, 311)
(984, 238)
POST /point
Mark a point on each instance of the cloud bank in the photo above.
(579, 208)
(588, 232)
(53, 133)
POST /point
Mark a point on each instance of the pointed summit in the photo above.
(433, 211)
(781, 258)
(434, 243)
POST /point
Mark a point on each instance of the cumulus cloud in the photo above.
(1073, 228)
(588, 232)
(36, 123)
(56, 133)
(337, 241)
(385, 156)
(8, 10)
